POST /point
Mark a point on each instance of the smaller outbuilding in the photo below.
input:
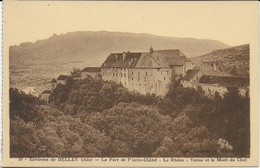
(192, 77)
(91, 72)
(62, 79)
(45, 95)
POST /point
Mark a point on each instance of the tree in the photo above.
(23, 139)
(23, 106)
(75, 73)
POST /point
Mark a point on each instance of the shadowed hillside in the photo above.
(233, 61)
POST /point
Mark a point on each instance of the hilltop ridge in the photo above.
(89, 46)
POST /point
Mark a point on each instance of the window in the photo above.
(161, 72)
(138, 78)
(124, 74)
(164, 78)
(132, 73)
(132, 78)
(121, 75)
(138, 73)
(167, 72)
(146, 73)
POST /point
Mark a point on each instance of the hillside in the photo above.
(36, 63)
(234, 60)
(89, 46)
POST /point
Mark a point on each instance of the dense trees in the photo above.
(98, 118)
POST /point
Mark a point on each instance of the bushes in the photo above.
(95, 96)
(95, 118)
(23, 106)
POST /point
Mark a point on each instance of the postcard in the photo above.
(130, 83)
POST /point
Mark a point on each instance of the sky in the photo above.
(233, 23)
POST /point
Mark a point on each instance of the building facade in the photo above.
(45, 95)
(146, 72)
(31, 91)
(211, 84)
(92, 72)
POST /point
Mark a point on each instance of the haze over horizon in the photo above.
(221, 21)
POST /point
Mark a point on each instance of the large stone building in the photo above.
(146, 72)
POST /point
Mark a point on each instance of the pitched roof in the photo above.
(115, 60)
(170, 53)
(208, 69)
(225, 81)
(190, 74)
(177, 61)
(63, 77)
(154, 60)
(46, 92)
(53, 81)
(157, 59)
(91, 69)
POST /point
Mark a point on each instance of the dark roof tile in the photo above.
(63, 77)
(158, 59)
(225, 81)
(46, 92)
(53, 81)
(115, 60)
(190, 74)
(91, 69)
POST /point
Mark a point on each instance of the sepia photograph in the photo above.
(136, 83)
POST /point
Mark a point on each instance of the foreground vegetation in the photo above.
(94, 118)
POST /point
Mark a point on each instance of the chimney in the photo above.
(151, 50)
(124, 55)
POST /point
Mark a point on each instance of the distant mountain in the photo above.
(234, 60)
(93, 47)
(35, 64)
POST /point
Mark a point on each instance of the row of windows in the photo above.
(139, 73)
(146, 73)
(114, 74)
(122, 69)
(169, 78)
(139, 84)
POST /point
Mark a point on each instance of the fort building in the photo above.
(146, 72)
